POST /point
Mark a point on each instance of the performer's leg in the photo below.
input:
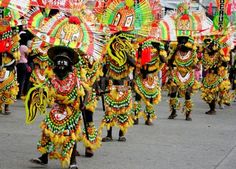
(150, 114)
(121, 136)
(109, 136)
(212, 106)
(7, 111)
(188, 105)
(42, 160)
(137, 108)
(73, 163)
(220, 100)
(173, 103)
(90, 124)
(1, 111)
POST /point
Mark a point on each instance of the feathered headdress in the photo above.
(70, 31)
(128, 15)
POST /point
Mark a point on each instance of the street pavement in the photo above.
(207, 142)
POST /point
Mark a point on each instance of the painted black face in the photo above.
(156, 45)
(62, 67)
(183, 48)
(181, 42)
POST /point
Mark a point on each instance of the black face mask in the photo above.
(62, 68)
(183, 48)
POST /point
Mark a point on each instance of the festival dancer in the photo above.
(121, 17)
(90, 74)
(182, 61)
(118, 102)
(216, 56)
(146, 83)
(61, 128)
(9, 54)
(215, 85)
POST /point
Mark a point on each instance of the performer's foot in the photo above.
(73, 166)
(172, 116)
(188, 118)
(88, 152)
(148, 122)
(136, 121)
(122, 139)
(211, 112)
(7, 111)
(38, 161)
(107, 139)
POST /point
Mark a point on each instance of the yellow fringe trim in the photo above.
(156, 100)
(93, 145)
(208, 95)
(188, 105)
(174, 102)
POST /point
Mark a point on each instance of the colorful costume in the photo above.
(182, 61)
(91, 71)
(146, 82)
(216, 55)
(124, 19)
(216, 84)
(118, 102)
(9, 54)
(61, 128)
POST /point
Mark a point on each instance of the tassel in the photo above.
(229, 9)
(210, 9)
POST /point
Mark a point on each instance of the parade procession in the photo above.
(81, 76)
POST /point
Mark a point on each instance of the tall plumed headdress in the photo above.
(128, 15)
(62, 30)
(185, 23)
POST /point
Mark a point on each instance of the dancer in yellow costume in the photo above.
(216, 56)
(122, 19)
(146, 82)
(9, 54)
(216, 84)
(182, 61)
(90, 74)
(61, 128)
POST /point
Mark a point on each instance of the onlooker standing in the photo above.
(22, 66)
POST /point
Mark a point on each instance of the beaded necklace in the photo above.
(185, 60)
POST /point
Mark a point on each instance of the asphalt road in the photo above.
(207, 142)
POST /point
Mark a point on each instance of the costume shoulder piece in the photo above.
(9, 38)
